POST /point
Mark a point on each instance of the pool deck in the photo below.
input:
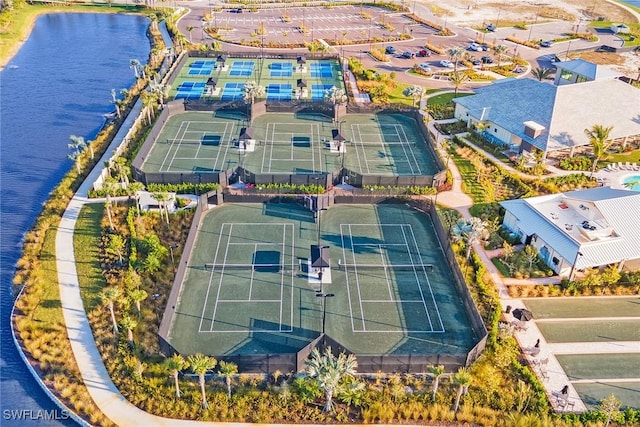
(615, 178)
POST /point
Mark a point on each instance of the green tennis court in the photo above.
(582, 307)
(249, 288)
(590, 330)
(382, 144)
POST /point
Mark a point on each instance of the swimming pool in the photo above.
(631, 182)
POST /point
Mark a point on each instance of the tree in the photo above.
(148, 100)
(336, 97)
(507, 250)
(109, 186)
(470, 231)
(436, 371)
(541, 73)
(128, 323)
(328, 370)
(137, 296)
(110, 296)
(189, 29)
(457, 79)
(462, 378)
(162, 199)
(116, 246)
(499, 50)
(136, 66)
(77, 144)
(200, 364)
(253, 90)
(455, 53)
(610, 407)
(598, 136)
(414, 91)
(174, 365)
(531, 254)
(227, 370)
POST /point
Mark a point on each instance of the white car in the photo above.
(425, 66)
(475, 47)
(445, 63)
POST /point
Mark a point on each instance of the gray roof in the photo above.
(587, 69)
(565, 111)
(619, 208)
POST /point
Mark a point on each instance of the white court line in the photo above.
(353, 254)
(166, 156)
(206, 299)
(417, 163)
(344, 256)
(415, 272)
(179, 144)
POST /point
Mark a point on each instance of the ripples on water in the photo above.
(57, 85)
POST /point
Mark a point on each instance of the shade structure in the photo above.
(302, 83)
(320, 256)
(245, 134)
(301, 60)
(522, 314)
(221, 58)
(212, 81)
(336, 136)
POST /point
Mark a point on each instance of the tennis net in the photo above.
(249, 267)
(211, 140)
(393, 267)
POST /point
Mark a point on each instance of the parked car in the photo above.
(424, 66)
(487, 60)
(424, 52)
(446, 63)
(475, 61)
(390, 50)
(475, 47)
(484, 47)
(519, 69)
(491, 27)
(546, 43)
(408, 54)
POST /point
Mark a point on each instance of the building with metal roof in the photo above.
(526, 115)
(579, 229)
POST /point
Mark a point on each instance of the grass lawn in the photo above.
(86, 241)
(397, 95)
(446, 98)
(49, 310)
(629, 39)
(469, 178)
(632, 156)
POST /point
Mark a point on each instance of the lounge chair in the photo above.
(621, 166)
(628, 166)
(636, 167)
(612, 167)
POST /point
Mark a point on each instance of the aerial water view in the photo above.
(343, 213)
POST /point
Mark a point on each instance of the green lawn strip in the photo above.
(446, 98)
(86, 241)
(396, 95)
(49, 310)
(631, 156)
(469, 178)
(22, 18)
(504, 271)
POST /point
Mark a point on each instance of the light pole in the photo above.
(567, 54)
(573, 267)
(324, 312)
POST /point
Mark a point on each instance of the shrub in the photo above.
(579, 163)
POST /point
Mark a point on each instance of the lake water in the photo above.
(57, 85)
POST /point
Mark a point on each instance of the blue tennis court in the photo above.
(232, 91)
(279, 92)
(201, 68)
(318, 91)
(281, 69)
(321, 69)
(242, 68)
(190, 90)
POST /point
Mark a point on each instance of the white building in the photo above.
(585, 228)
(526, 115)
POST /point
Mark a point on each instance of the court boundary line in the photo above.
(284, 274)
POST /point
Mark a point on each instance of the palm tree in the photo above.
(109, 296)
(335, 96)
(132, 190)
(128, 323)
(136, 66)
(462, 379)
(122, 170)
(469, 231)
(541, 73)
(77, 144)
(329, 371)
(253, 90)
(189, 29)
(115, 102)
(109, 186)
(437, 372)
(116, 246)
(499, 50)
(200, 364)
(148, 100)
(162, 199)
(174, 365)
(137, 296)
(455, 53)
(227, 370)
(457, 79)
(598, 136)
(414, 91)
